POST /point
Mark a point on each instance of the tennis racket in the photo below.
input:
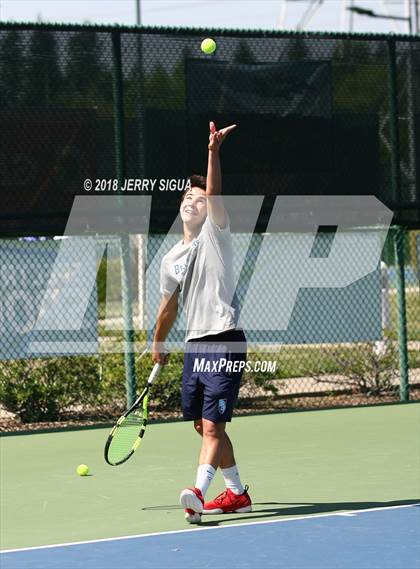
(126, 436)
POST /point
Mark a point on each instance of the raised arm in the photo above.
(215, 205)
(167, 312)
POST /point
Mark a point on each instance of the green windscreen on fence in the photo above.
(317, 114)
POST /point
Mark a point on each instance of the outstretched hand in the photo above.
(217, 136)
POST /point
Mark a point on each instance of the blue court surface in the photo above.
(380, 538)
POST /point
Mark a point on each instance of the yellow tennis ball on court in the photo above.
(82, 470)
(208, 46)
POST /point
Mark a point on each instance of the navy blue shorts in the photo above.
(213, 368)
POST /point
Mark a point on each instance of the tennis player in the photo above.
(199, 270)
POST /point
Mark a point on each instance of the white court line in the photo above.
(198, 528)
(348, 514)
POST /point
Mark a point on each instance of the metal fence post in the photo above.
(126, 290)
(399, 233)
(399, 243)
(393, 118)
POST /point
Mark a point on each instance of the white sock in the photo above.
(232, 479)
(205, 474)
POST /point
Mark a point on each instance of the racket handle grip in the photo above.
(155, 372)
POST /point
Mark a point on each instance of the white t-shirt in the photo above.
(203, 271)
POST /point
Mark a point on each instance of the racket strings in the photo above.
(125, 436)
(133, 419)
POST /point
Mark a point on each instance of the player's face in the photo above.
(194, 207)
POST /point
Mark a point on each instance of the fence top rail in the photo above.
(232, 32)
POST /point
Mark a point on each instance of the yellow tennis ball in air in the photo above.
(208, 46)
(82, 470)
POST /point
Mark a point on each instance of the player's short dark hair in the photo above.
(197, 181)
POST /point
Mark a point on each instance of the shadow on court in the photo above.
(267, 510)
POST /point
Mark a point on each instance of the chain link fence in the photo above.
(342, 346)
(317, 114)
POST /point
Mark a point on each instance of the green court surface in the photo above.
(295, 464)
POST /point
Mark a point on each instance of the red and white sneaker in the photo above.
(228, 502)
(193, 502)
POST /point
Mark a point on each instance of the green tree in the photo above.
(89, 73)
(12, 70)
(360, 85)
(243, 53)
(43, 75)
(296, 48)
(352, 52)
(179, 79)
(158, 88)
